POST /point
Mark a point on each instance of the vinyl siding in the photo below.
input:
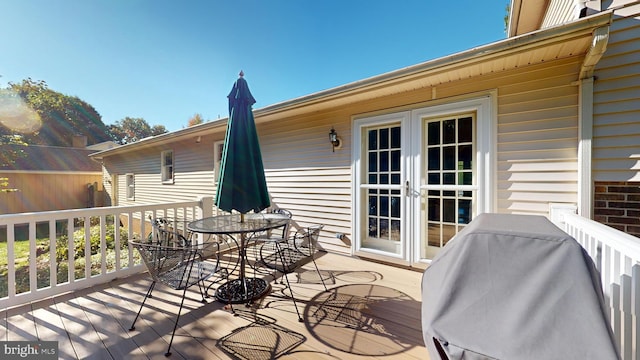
(616, 128)
(560, 12)
(537, 139)
(193, 173)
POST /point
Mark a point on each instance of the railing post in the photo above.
(557, 211)
(203, 209)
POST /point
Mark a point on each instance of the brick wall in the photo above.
(617, 204)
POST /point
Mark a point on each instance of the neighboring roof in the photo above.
(50, 158)
(106, 145)
(559, 42)
(526, 16)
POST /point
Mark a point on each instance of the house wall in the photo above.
(616, 121)
(617, 204)
(48, 191)
(537, 110)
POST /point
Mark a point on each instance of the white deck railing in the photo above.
(44, 276)
(617, 257)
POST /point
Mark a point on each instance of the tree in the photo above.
(52, 118)
(11, 149)
(506, 17)
(196, 119)
(129, 130)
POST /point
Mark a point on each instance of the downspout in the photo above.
(585, 120)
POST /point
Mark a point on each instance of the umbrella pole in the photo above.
(243, 255)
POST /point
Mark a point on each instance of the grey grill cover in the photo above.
(514, 287)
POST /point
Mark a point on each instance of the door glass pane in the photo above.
(373, 162)
(465, 129)
(373, 205)
(395, 160)
(395, 205)
(395, 137)
(448, 210)
(449, 131)
(465, 157)
(373, 139)
(433, 133)
(449, 158)
(384, 138)
(434, 159)
(384, 161)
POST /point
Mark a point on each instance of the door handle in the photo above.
(406, 188)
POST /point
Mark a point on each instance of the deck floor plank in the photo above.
(371, 311)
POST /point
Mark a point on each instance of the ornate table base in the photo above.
(240, 291)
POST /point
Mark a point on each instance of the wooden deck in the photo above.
(370, 311)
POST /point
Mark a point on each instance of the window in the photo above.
(218, 148)
(167, 166)
(131, 187)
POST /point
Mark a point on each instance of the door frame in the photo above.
(404, 118)
(485, 172)
(485, 107)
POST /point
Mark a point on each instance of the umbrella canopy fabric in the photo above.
(514, 287)
(242, 185)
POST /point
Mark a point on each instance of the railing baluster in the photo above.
(53, 271)
(626, 316)
(103, 244)
(616, 321)
(33, 271)
(635, 310)
(11, 260)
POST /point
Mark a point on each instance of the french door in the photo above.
(420, 177)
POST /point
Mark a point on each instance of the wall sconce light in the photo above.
(198, 139)
(335, 140)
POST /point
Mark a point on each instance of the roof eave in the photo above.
(489, 51)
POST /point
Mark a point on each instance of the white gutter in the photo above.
(585, 121)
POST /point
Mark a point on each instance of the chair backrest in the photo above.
(161, 259)
(306, 239)
(285, 228)
(176, 224)
(168, 257)
(171, 238)
(285, 212)
(164, 233)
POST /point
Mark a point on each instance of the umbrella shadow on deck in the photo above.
(365, 319)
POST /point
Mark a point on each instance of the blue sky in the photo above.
(165, 61)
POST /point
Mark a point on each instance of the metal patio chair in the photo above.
(176, 262)
(288, 256)
(272, 237)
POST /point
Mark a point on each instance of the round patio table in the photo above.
(242, 289)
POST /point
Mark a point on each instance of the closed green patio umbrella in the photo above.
(242, 185)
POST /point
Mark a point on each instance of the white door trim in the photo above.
(485, 106)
